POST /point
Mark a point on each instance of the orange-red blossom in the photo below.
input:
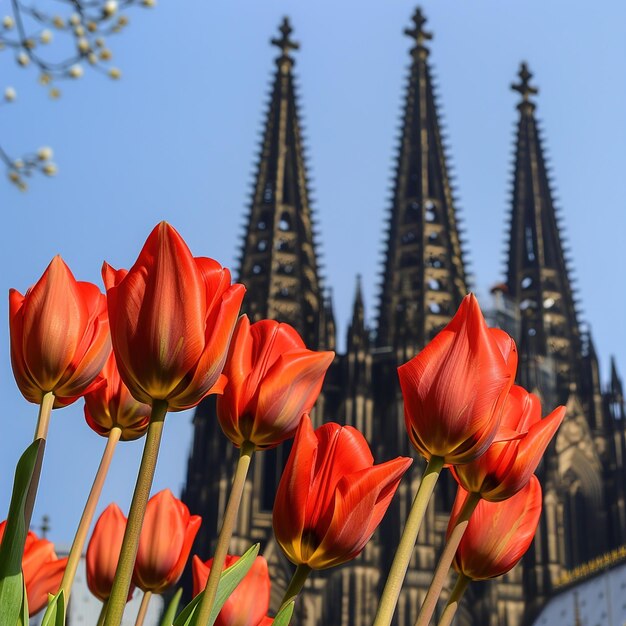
(507, 466)
(103, 552)
(59, 336)
(167, 535)
(249, 602)
(111, 405)
(42, 570)
(331, 496)
(172, 316)
(455, 388)
(498, 534)
(272, 381)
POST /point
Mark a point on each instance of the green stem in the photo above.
(226, 532)
(43, 419)
(445, 560)
(41, 432)
(391, 592)
(130, 544)
(88, 512)
(103, 612)
(143, 608)
(295, 585)
(453, 602)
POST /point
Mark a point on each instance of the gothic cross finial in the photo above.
(285, 43)
(524, 87)
(417, 32)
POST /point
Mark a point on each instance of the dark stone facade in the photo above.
(423, 282)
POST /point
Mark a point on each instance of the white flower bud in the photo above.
(76, 71)
(10, 94)
(44, 153)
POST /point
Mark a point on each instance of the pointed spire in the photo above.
(537, 275)
(424, 276)
(357, 308)
(616, 380)
(279, 264)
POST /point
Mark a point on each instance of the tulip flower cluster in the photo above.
(165, 336)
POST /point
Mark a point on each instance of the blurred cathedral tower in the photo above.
(422, 283)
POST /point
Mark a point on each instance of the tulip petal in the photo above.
(290, 389)
(294, 489)
(361, 501)
(46, 581)
(498, 533)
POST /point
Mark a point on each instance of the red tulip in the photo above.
(42, 569)
(454, 389)
(172, 316)
(507, 466)
(272, 381)
(103, 552)
(59, 336)
(498, 534)
(112, 406)
(249, 603)
(166, 538)
(331, 497)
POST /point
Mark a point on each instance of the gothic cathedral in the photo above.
(583, 473)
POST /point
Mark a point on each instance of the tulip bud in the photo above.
(507, 466)
(172, 317)
(167, 535)
(331, 496)
(454, 389)
(498, 534)
(249, 602)
(103, 552)
(42, 569)
(111, 405)
(59, 336)
(272, 381)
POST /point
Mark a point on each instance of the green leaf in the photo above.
(284, 615)
(55, 613)
(229, 579)
(22, 499)
(170, 614)
(22, 620)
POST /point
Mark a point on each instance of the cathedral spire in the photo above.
(278, 262)
(537, 274)
(423, 279)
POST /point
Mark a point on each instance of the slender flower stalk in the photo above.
(445, 561)
(88, 512)
(43, 419)
(295, 585)
(226, 532)
(103, 612)
(128, 553)
(41, 432)
(401, 560)
(143, 608)
(453, 601)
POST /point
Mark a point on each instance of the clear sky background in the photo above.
(176, 139)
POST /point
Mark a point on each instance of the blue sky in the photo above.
(176, 139)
